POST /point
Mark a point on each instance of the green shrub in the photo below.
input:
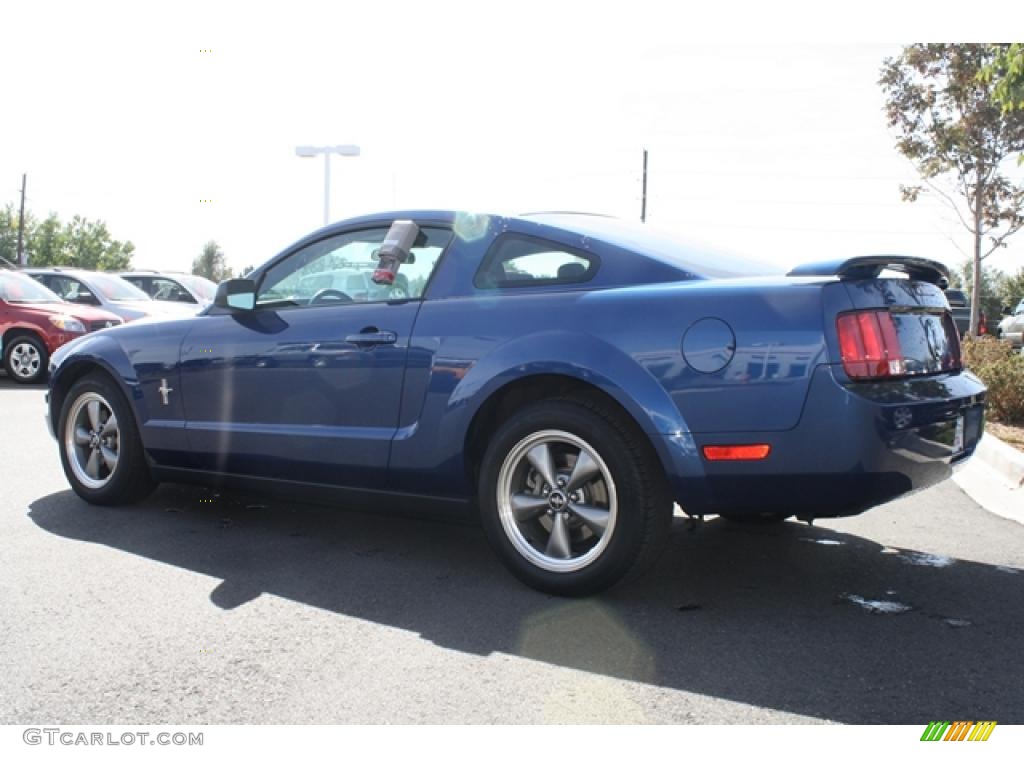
(984, 350)
(1002, 370)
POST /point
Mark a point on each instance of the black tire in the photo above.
(636, 504)
(129, 479)
(26, 358)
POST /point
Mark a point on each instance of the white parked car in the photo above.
(1011, 327)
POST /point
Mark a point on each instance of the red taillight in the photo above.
(737, 452)
(868, 345)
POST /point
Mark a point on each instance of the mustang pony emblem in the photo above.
(164, 390)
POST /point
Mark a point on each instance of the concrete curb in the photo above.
(1002, 458)
(994, 478)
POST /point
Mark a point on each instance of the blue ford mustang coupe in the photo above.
(568, 376)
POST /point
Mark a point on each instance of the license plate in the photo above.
(958, 437)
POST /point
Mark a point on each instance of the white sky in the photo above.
(758, 143)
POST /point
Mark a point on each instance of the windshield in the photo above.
(115, 289)
(19, 289)
(200, 286)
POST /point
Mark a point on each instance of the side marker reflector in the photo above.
(754, 452)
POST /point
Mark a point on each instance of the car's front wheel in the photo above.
(25, 358)
(572, 497)
(100, 448)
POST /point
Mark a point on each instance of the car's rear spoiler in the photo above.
(867, 267)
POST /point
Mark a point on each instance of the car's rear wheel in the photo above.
(26, 358)
(100, 448)
(572, 498)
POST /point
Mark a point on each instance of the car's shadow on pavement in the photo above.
(767, 616)
(6, 382)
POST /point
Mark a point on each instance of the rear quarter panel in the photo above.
(626, 342)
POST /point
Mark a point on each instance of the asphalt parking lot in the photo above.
(194, 607)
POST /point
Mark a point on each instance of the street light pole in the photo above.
(327, 188)
(22, 261)
(345, 150)
(643, 192)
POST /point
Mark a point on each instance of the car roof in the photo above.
(645, 239)
(152, 273)
(59, 271)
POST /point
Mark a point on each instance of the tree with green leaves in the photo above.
(79, 243)
(48, 242)
(9, 234)
(959, 140)
(1011, 289)
(1006, 74)
(211, 263)
(990, 299)
(88, 245)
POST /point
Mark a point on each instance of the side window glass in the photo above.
(339, 270)
(78, 292)
(138, 282)
(54, 284)
(519, 261)
(45, 280)
(168, 290)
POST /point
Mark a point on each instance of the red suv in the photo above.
(34, 321)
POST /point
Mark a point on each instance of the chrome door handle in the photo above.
(370, 337)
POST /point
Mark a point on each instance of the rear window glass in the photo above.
(928, 342)
(519, 261)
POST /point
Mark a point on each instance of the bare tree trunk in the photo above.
(976, 271)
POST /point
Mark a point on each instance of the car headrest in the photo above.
(571, 271)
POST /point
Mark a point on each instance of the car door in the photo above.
(304, 387)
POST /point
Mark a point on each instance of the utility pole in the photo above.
(643, 198)
(21, 225)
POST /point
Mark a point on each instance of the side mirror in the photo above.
(237, 293)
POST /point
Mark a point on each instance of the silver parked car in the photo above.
(173, 286)
(109, 292)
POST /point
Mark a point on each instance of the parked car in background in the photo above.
(34, 322)
(565, 377)
(173, 286)
(1011, 327)
(106, 291)
(350, 283)
(960, 306)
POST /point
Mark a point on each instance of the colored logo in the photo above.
(959, 730)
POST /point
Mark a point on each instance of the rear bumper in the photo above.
(855, 446)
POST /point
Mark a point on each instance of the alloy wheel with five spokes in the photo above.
(92, 440)
(100, 446)
(557, 501)
(571, 496)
